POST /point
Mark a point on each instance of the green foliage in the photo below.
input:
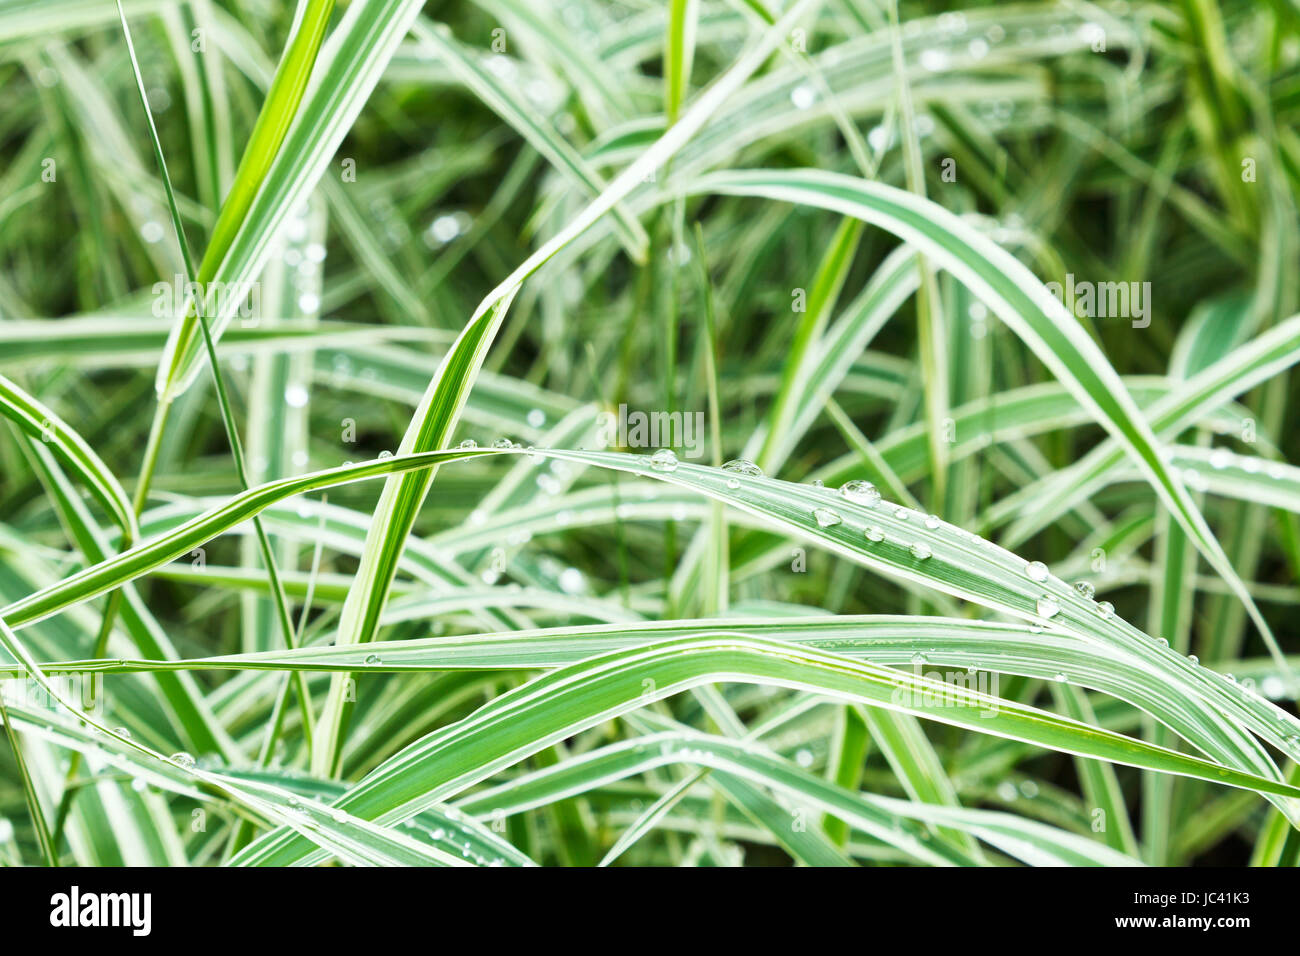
(988, 311)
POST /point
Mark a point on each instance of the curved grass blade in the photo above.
(279, 110)
(335, 831)
(570, 699)
(1013, 293)
(353, 60)
(878, 816)
(72, 450)
(438, 412)
(929, 553)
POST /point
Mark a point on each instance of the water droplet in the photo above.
(901, 514)
(860, 493)
(445, 228)
(1060, 677)
(803, 97)
(122, 732)
(503, 443)
(874, 533)
(1220, 458)
(934, 60)
(663, 460)
(919, 658)
(1047, 606)
(744, 467)
(803, 757)
(536, 418)
(1193, 659)
(469, 443)
(933, 522)
(372, 658)
(1163, 642)
(733, 483)
(920, 550)
(1105, 608)
(182, 759)
(1085, 589)
(825, 517)
(1037, 571)
(295, 396)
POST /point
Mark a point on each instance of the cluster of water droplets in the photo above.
(1048, 606)
(865, 494)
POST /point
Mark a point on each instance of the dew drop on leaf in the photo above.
(860, 493)
(825, 517)
(663, 460)
(743, 466)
